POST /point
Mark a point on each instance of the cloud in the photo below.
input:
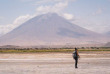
(68, 16)
(5, 28)
(18, 21)
(98, 11)
(21, 19)
(57, 8)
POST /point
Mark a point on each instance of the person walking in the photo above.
(76, 56)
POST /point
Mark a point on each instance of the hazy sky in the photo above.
(91, 14)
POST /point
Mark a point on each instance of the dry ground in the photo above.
(54, 63)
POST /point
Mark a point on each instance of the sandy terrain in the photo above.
(54, 63)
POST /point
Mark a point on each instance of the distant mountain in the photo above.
(50, 29)
(9, 46)
(107, 44)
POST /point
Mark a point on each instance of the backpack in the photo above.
(74, 54)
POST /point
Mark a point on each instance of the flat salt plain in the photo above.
(97, 62)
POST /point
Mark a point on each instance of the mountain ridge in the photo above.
(48, 29)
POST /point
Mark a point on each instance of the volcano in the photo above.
(50, 29)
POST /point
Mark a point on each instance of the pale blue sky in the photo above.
(91, 14)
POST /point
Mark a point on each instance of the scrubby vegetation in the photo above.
(35, 50)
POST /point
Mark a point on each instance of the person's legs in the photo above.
(76, 61)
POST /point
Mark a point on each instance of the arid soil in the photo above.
(54, 63)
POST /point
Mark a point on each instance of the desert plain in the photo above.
(90, 62)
